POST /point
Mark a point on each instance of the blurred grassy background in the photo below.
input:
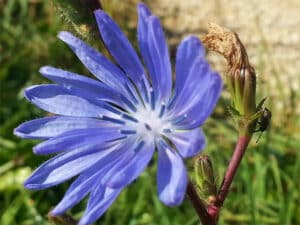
(267, 187)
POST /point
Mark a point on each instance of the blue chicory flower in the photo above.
(106, 131)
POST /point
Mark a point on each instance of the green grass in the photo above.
(266, 189)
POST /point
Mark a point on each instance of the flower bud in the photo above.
(241, 77)
(205, 179)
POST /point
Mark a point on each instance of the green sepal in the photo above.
(260, 104)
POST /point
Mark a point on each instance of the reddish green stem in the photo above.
(209, 215)
(199, 206)
(235, 161)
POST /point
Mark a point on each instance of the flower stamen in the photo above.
(128, 132)
(128, 103)
(162, 110)
(145, 91)
(172, 100)
(147, 127)
(179, 119)
(112, 119)
(130, 118)
(131, 94)
(111, 109)
(167, 130)
(152, 99)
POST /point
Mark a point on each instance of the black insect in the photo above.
(263, 122)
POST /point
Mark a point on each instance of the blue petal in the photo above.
(201, 108)
(155, 53)
(95, 62)
(87, 86)
(189, 51)
(188, 142)
(127, 169)
(94, 211)
(77, 138)
(60, 100)
(49, 127)
(89, 181)
(96, 195)
(194, 87)
(67, 165)
(76, 192)
(79, 189)
(144, 14)
(120, 48)
(171, 176)
(198, 96)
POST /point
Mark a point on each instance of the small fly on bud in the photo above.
(263, 122)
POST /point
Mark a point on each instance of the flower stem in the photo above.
(209, 215)
(93, 4)
(237, 156)
(199, 206)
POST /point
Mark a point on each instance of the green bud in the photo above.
(205, 179)
(242, 83)
(249, 91)
(244, 98)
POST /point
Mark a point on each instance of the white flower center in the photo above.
(151, 123)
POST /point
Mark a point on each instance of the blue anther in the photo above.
(128, 132)
(145, 91)
(113, 120)
(139, 146)
(162, 143)
(162, 110)
(172, 100)
(131, 94)
(152, 99)
(127, 117)
(111, 109)
(167, 130)
(179, 119)
(147, 126)
(128, 103)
